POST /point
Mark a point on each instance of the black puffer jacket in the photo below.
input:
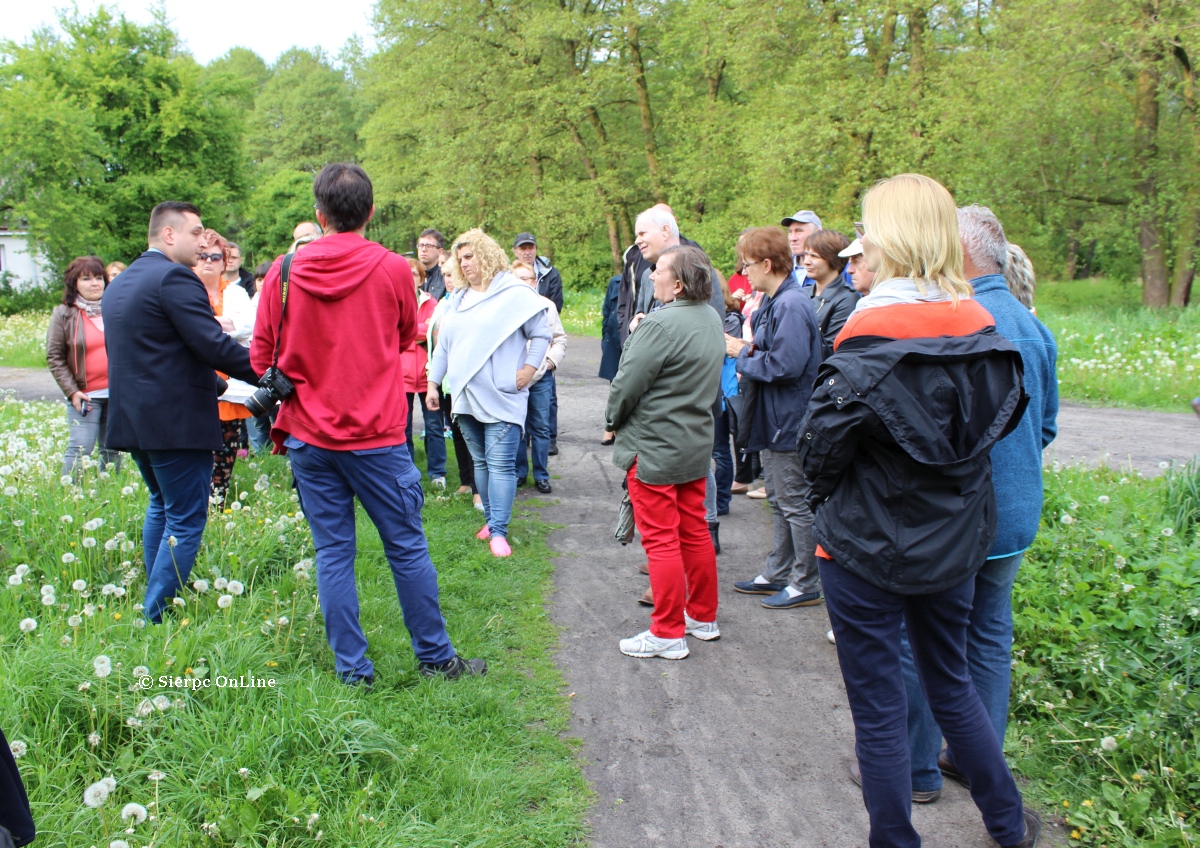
(896, 445)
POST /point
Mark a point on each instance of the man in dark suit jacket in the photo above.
(163, 345)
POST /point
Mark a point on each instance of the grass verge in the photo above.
(1106, 685)
(413, 762)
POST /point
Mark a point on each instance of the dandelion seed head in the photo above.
(21, 570)
(18, 748)
(27, 625)
(220, 583)
(225, 601)
(79, 585)
(134, 811)
(93, 739)
(1108, 743)
(236, 587)
(74, 621)
(96, 794)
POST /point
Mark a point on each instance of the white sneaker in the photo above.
(648, 645)
(439, 483)
(829, 636)
(705, 631)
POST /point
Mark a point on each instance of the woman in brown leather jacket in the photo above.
(77, 358)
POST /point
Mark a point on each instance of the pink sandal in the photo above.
(484, 534)
(499, 546)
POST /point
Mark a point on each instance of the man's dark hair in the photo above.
(162, 214)
(435, 235)
(83, 266)
(344, 196)
(691, 267)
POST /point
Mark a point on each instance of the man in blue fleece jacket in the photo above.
(1017, 478)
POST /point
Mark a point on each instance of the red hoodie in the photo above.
(351, 311)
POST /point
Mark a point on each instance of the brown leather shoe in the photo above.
(643, 567)
(647, 600)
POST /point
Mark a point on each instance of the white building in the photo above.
(16, 259)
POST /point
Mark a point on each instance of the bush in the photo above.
(35, 299)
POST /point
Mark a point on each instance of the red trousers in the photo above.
(683, 564)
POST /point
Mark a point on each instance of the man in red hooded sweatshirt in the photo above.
(351, 310)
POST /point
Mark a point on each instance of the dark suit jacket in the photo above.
(163, 346)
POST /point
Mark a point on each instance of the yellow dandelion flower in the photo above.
(116, 616)
(1066, 803)
(1088, 802)
(271, 663)
(1075, 834)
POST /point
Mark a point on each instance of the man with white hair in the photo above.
(1017, 479)
(635, 283)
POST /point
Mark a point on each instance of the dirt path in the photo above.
(747, 742)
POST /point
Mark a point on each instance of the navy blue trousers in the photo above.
(866, 621)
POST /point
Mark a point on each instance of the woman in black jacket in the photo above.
(896, 448)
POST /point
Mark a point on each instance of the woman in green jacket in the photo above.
(660, 406)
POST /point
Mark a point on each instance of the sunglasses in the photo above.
(212, 257)
(859, 229)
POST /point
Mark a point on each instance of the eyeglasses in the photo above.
(421, 246)
(746, 265)
(212, 257)
(860, 230)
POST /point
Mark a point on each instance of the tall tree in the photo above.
(100, 125)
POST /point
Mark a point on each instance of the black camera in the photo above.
(272, 388)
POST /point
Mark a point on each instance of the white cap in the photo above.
(854, 249)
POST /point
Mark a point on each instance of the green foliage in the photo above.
(278, 203)
(1182, 496)
(1105, 697)
(304, 116)
(98, 127)
(412, 762)
(14, 299)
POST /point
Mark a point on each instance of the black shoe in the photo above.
(366, 681)
(714, 530)
(543, 486)
(918, 797)
(947, 768)
(1033, 829)
(553, 448)
(522, 482)
(453, 668)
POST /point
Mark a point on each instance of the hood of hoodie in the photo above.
(944, 416)
(332, 267)
(503, 282)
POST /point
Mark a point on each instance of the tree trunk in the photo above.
(626, 225)
(1155, 289)
(1185, 248)
(610, 219)
(644, 111)
(887, 43)
(535, 170)
(1072, 266)
(918, 18)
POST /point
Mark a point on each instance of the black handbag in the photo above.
(745, 416)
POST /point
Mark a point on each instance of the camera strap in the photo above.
(285, 273)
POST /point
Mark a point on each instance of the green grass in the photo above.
(477, 762)
(1106, 683)
(1112, 352)
(23, 339)
(582, 312)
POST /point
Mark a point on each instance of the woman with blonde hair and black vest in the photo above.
(896, 447)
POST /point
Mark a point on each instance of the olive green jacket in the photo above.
(661, 402)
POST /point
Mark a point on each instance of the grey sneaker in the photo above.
(705, 631)
(439, 483)
(646, 644)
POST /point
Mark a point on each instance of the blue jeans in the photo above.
(989, 659)
(435, 437)
(258, 430)
(553, 406)
(866, 622)
(722, 454)
(537, 432)
(493, 449)
(180, 482)
(388, 486)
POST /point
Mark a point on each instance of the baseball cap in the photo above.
(524, 238)
(854, 249)
(804, 216)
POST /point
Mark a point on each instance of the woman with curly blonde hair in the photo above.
(492, 339)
